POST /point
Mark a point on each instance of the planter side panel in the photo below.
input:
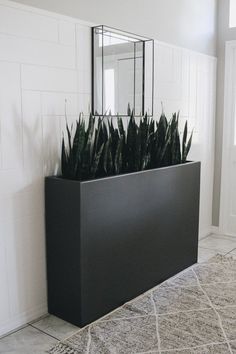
(137, 230)
(62, 204)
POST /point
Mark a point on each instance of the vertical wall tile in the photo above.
(59, 103)
(32, 134)
(40, 78)
(184, 80)
(10, 115)
(67, 33)
(84, 103)
(84, 63)
(29, 51)
(185, 85)
(4, 293)
(27, 24)
(24, 241)
(52, 135)
(168, 73)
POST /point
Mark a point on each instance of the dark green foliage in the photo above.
(104, 149)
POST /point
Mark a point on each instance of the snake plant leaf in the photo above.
(64, 159)
(129, 112)
(69, 137)
(176, 150)
(118, 158)
(105, 156)
(104, 149)
(78, 145)
(90, 130)
(132, 144)
(95, 162)
(121, 127)
(185, 135)
(187, 149)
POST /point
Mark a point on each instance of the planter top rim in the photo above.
(127, 174)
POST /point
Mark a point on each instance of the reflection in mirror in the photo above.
(122, 74)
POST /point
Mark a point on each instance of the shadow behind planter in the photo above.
(109, 240)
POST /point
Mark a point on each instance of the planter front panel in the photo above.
(136, 230)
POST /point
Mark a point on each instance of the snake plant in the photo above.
(108, 148)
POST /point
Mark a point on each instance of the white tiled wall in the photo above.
(45, 60)
(186, 81)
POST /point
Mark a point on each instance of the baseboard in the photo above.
(205, 232)
(215, 230)
(22, 319)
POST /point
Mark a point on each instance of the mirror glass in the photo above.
(120, 72)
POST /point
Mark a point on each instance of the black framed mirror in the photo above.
(122, 73)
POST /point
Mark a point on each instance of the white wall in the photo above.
(186, 81)
(187, 23)
(224, 34)
(45, 59)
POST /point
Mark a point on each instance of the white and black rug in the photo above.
(191, 313)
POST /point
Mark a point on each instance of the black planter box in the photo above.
(109, 240)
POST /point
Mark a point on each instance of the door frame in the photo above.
(228, 116)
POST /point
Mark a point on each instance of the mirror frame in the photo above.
(142, 39)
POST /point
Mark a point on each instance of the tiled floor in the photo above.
(213, 244)
(37, 337)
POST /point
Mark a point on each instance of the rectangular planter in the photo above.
(109, 240)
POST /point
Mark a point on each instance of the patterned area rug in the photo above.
(191, 313)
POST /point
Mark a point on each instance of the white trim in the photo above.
(215, 230)
(23, 319)
(227, 128)
(204, 233)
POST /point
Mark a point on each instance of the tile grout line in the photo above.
(230, 251)
(157, 325)
(214, 250)
(40, 40)
(39, 319)
(22, 119)
(70, 68)
(205, 263)
(13, 332)
(40, 330)
(217, 314)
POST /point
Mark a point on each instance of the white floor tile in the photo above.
(220, 243)
(26, 341)
(232, 254)
(55, 327)
(205, 254)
